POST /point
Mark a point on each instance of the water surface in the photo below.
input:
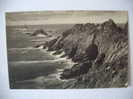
(30, 67)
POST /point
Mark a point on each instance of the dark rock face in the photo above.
(76, 70)
(78, 58)
(97, 49)
(58, 52)
(100, 59)
(73, 51)
(85, 67)
(51, 43)
(92, 52)
(56, 43)
(66, 74)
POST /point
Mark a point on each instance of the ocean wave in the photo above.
(26, 48)
(59, 58)
(31, 62)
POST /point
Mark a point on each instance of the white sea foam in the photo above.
(40, 35)
(59, 58)
(70, 62)
(52, 52)
(59, 55)
(40, 47)
(57, 75)
(65, 59)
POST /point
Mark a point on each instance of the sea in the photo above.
(33, 67)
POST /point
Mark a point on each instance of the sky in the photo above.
(64, 17)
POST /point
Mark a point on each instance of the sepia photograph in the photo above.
(67, 49)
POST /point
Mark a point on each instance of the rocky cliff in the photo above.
(100, 51)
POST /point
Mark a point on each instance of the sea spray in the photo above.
(41, 35)
(41, 47)
(59, 55)
(63, 60)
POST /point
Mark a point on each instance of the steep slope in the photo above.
(101, 53)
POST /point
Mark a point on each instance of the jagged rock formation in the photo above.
(101, 53)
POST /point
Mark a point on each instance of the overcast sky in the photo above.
(64, 17)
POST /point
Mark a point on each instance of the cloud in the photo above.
(64, 17)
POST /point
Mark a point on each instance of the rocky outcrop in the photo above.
(101, 53)
(39, 32)
(76, 70)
